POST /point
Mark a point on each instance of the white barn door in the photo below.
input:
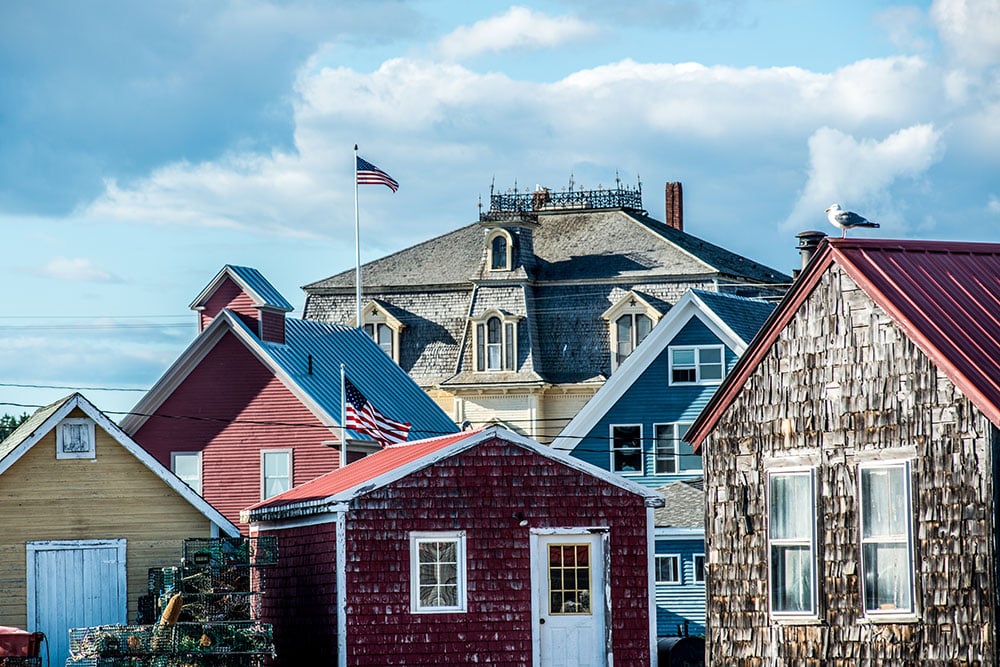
(74, 584)
(569, 604)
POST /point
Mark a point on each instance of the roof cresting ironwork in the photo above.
(529, 203)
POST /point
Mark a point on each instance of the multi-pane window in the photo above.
(437, 572)
(276, 472)
(791, 542)
(886, 538)
(697, 365)
(668, 569)
(382, 334)
(626, 449)
(699, 568)
(672, 454)
(630, 330)
(569, 579)
(496, 345)
(75, 439)
(187, 466)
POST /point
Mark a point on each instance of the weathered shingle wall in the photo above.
(853, 385)
(465, 492)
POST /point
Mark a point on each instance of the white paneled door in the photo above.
(74, 584)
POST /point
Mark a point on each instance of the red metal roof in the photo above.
(944, 295)
(364, 470)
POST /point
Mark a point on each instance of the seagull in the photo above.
(845, 220)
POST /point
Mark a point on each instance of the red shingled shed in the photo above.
(477, 547)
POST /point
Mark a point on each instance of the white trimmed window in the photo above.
(187, 466)
(668, 569)
(630, 320)
(499, 247)
(886, 538)
(275, 472)
(437, 572)
(383, 328)
(669, 448)
(75, 439)
(626, 449)
(699, 568)
(495, 342)
(697, 364)
(791, 539)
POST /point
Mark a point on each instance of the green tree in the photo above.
(8, 423)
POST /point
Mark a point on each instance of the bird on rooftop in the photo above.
(845, 220)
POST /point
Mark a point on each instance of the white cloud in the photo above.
(76, 270)
(858, 173)
(519, 28)
(970, 29)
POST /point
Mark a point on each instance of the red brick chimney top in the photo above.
(674, 206)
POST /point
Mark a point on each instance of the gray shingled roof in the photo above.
(684, 505)
(744, 316)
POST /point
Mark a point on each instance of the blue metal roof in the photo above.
(377, 376)
(744, 316)
(254, 281)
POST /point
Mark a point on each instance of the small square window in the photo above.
(626, 449)
(668, 569)
(437, 572)
(699, 568)
(75, 439)
(697, 365)
(187, 466)
(275, 472)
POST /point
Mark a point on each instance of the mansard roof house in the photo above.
(253, 406)
(851, 464)
(520, 317)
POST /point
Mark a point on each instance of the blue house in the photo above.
(634, 426)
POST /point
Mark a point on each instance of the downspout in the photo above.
(651, 583)
(341, 589)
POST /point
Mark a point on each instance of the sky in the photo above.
(143, 146)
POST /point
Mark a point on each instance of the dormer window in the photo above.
(383, 328)
(499, 244)
(495, 341)
(630, 320)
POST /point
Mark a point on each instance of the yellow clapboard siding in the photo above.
(112, 496)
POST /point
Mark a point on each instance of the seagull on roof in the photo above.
(845, 220)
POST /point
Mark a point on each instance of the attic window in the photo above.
(499, 245)
(630, 320)
(75, 439)
(496, 342)
(383, 328)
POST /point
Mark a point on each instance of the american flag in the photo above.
(361, 416)
(369, 174)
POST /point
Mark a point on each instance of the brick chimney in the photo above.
(674, 216)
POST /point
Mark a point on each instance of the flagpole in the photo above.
(357, 243)
(343, 418)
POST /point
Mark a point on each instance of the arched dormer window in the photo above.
(630, 320)
(383, 328)
(495, 338)
(499, 244)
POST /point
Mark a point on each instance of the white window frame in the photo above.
(263, 471)
(508, 250)
(173, 468)
(629, 450)
(375, 316)
(698, 364)
(905, 539)
(678, 572)
(506, 346)
(88, 432)
(698, 575)
(631, 304)
(809, 541)
(679, 429)
(454, 537)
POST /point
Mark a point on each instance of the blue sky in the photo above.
(145, 145)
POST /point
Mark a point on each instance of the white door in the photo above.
(74, 584)
(569, 571)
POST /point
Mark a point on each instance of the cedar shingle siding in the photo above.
(854, 387)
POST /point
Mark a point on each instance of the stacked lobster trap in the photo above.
(198, 614)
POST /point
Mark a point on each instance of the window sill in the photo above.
(797, 620)
(889, 619)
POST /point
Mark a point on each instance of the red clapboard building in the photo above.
(480, 547)
(253, 406)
